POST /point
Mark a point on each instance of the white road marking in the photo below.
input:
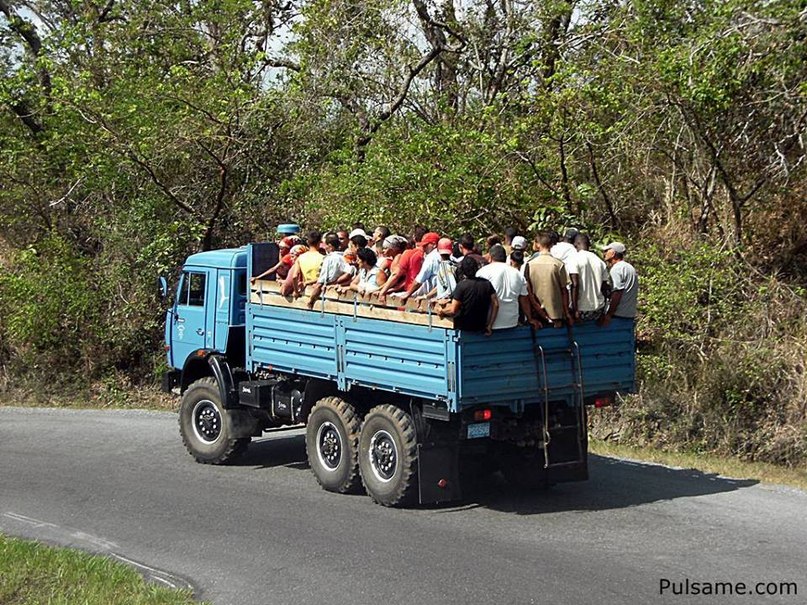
(30, 520)
(106, 547)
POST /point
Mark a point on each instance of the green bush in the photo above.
(721, 359)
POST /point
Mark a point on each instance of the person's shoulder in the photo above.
(514, 273)
(462, 286)
(485, 270)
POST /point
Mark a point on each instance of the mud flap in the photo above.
(438, 473)
(243, 424)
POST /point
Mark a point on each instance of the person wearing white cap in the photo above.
(519, 243)
(624, 283)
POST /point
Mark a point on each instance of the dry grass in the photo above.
(725, 466)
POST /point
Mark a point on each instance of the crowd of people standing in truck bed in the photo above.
(553, 280)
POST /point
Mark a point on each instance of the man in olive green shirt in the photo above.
(547, 281)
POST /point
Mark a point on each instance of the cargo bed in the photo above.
(418, 356)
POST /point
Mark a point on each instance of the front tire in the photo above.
(332, 444)
(388, 456)
(205, 425)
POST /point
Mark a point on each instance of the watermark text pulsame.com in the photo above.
(689, 587)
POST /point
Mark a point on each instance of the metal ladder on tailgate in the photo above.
(576, 385)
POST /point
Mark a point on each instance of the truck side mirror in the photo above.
(162, 287)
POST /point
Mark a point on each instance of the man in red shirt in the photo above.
(408, 269)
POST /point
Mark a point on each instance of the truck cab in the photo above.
(208, 312)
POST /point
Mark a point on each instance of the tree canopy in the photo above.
(133, 133)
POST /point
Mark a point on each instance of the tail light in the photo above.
(483, 415)
(601, 402)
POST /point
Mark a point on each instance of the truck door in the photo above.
(190, 322)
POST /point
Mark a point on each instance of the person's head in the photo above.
(380, 234)
(582, 241)
(493, 240)
(467, 244)
(313, 238)
(509, 234)
(350, 257)
(445, 247)
(543, 241)
(331, 242)
(517, 258)
(285, 245)
(519, 243)
(394, 245)
(344, 239)
(418, 233)
(297, 251)
(357, 242)
(358, 225)
(554, 238)
(497, 253)
(429, 241)
(614, 252)
(367, 258)
(468, 266)
(570, 234)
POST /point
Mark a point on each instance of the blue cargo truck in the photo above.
(394, 400)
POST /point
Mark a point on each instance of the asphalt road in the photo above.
(120, 483)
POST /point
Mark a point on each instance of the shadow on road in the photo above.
(613, 483)
(278, 450)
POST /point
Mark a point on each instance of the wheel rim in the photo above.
(383, 455)
(206, 421)
(329, 446)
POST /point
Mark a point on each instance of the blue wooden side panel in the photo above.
(398, 357)
(503, 368)
(291, 340)
(460, 368)
(385, 355)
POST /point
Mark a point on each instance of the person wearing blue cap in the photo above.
(288, 229)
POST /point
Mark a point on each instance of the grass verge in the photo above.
(31, 573)
(727, 467)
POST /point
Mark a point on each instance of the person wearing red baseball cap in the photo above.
(431, 264)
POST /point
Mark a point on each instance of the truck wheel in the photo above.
(332, 442)
(388, 456)
(205, 425)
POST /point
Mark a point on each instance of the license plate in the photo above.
(481, 429)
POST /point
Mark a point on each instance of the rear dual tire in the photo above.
(388, 456)
(332, 442)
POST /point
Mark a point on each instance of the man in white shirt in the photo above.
(334, 269)
(427, 278)
(510, 287)
(593, 280)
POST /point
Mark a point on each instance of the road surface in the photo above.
(120, 483)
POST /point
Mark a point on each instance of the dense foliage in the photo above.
(134, 133)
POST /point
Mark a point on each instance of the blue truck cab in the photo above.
(395, 401)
